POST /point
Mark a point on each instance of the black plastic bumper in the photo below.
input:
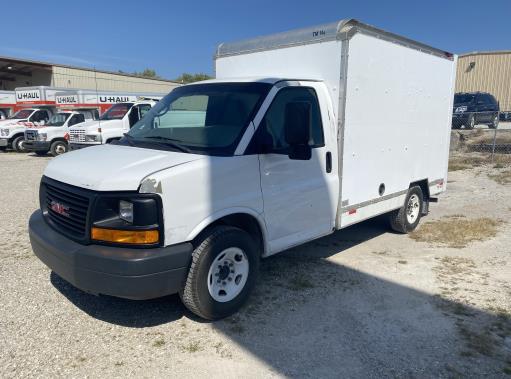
(36, 145)
(78, 146)
(136, 274)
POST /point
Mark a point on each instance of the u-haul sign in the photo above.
(28, 96)
(66, 99)
(108, 99)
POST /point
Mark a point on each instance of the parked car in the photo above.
(473, 108)
(278, 150)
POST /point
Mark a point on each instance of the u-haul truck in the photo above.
(113, 123)
(7, 104)
(37, 106)
(53, 136)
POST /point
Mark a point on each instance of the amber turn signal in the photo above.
(125, 236)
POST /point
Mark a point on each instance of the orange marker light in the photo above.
(125, 236)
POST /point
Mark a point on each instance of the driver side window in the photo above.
(271, 130)
(40, 116)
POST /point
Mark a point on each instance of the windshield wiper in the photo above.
(171, 142)
(129, 139)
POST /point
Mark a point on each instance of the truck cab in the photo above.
(53, 136)
(111, 125)
(12, 129)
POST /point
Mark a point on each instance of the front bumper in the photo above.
(78, 146)
(30, 145)
(129, 273)
(4, 142)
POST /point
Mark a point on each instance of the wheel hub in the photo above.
(228, 274)
(412, 209)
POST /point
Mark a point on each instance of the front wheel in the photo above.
(495, 122)
(222, 273)
(406, 218)
(471, 122)
(58, 148)
(18, 144)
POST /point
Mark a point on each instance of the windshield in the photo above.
(58, 119)
(116, 111)
(201, 118)
(22, 114)
(463, 98)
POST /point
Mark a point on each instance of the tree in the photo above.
(148, 73)
(190, 78)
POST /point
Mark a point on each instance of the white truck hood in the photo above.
(93, 125)
(112, 167)
(11, 123)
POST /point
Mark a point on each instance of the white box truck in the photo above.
(54, 135)
(7, 104)
(301, 134)
(119, 114)
(37, 105)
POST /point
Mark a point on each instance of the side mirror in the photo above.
(297, 126)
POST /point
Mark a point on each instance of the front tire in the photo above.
(471, 122)
(495, 122)
(18, 144)
(58, 148)
(222, 273)
(405, 219)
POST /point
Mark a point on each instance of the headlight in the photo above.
(92, 138)
(41, 137)
(129, 220)
(460, 109)
(126, 211)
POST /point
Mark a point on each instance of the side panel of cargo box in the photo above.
(396, 125)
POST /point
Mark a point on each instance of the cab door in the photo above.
(296, 193)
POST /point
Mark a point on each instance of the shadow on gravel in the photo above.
(310, 317)
(130, 313)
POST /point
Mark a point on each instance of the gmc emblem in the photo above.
(61, 209)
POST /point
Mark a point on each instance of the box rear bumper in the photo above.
(129, 273)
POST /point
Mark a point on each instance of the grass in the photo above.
(300, 283)
(458, 162)
(456, 232)
(503, 177)
(193, 347)
(481, 342)
(159, 342)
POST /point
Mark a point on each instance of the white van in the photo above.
(301, 134)
(112, 124)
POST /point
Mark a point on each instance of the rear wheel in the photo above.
(58, 148)
(495, 122)
(222, 274)
(18, 144)
(406, 218)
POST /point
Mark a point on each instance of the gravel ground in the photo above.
(363, 302)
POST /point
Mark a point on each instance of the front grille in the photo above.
(66, 209)
(77, 135)
(31, 135)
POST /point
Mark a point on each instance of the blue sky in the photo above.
(180, 36)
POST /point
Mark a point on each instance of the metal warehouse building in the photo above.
(16, 72)
(487, 72)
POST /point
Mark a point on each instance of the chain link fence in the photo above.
(486, 132)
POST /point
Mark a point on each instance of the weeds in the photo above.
(456, 232)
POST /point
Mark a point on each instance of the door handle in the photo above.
(328, 162)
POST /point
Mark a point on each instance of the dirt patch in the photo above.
(503, 177)
(457, 232)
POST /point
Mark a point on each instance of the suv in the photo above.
(472, 108)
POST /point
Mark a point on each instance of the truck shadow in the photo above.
(139, 314)
(311, 317)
